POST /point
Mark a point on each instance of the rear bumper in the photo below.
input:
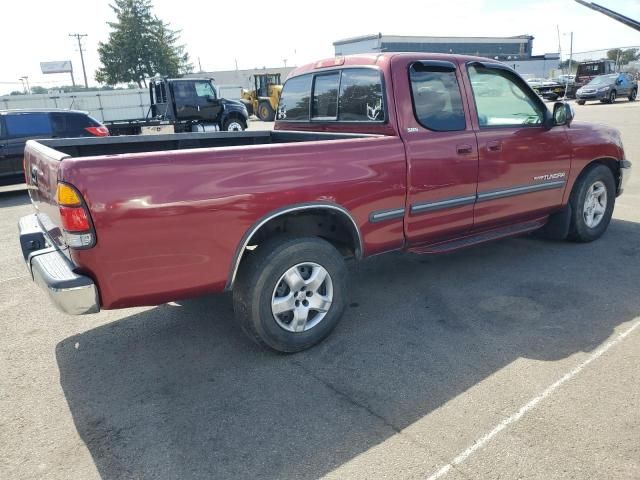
(71, 293)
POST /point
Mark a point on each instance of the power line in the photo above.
(79, 37)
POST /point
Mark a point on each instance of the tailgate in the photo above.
(41, 166)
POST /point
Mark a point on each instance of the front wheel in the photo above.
(633, 95)
(234, 125)
(290, 293)
(580, 102)
(265, 112)
(592, 201)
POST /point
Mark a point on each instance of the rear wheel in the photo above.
(265, 112)
(612, 96)
(592, 201)
(633, 95)
(580, 102)
(290, 293)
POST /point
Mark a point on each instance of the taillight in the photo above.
(100, 131)
(74, 219)
(76, 224)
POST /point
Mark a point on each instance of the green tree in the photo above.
(38, 89)
(140, 45)
(623, 57)
(564, 66)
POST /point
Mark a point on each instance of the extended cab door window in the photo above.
(501, 101)
(437, 101)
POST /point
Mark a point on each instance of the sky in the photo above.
(264, 34)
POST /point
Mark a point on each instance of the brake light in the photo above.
(74, 219)
(100, 131)
(330, 62)
(74, 216)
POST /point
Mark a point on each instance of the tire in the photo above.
(234, 124)
(580, 102)
(612, 97)
(633, 95)
(261, 282)
(265, 112)
(591, 180)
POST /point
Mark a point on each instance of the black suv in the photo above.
(18, 126)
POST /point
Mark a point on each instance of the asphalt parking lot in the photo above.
(517, 359)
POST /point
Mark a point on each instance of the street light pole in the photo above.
(78, 37)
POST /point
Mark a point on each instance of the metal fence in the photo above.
(104, 105)
(603, 54)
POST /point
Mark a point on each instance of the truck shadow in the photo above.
(177, 392)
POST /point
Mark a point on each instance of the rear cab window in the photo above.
(339, 95)
(325, 96)
(22, 125)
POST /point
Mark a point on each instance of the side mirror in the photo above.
(211, 99)
(562, 114)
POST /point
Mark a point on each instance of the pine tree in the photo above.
(140, 45)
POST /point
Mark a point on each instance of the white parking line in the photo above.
(482, 441)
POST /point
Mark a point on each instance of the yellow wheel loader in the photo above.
(263, 100)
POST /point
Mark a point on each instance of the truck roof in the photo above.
(378, 59)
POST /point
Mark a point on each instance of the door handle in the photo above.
(464, 149)
(494, 146)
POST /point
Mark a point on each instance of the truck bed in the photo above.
(170, 211)
(89, 147)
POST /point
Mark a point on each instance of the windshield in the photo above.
(603, 80)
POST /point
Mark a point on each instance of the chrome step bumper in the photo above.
(71, 293)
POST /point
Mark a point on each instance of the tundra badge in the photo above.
(550, 176)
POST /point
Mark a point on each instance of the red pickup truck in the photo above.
(370, 154)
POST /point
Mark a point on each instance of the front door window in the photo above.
(502, 100)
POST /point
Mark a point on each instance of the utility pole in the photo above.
(25, 84)
(566, 85)
(78, 37)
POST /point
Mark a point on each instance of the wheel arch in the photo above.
(233, 115)
(302, 214)
(612, 163)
